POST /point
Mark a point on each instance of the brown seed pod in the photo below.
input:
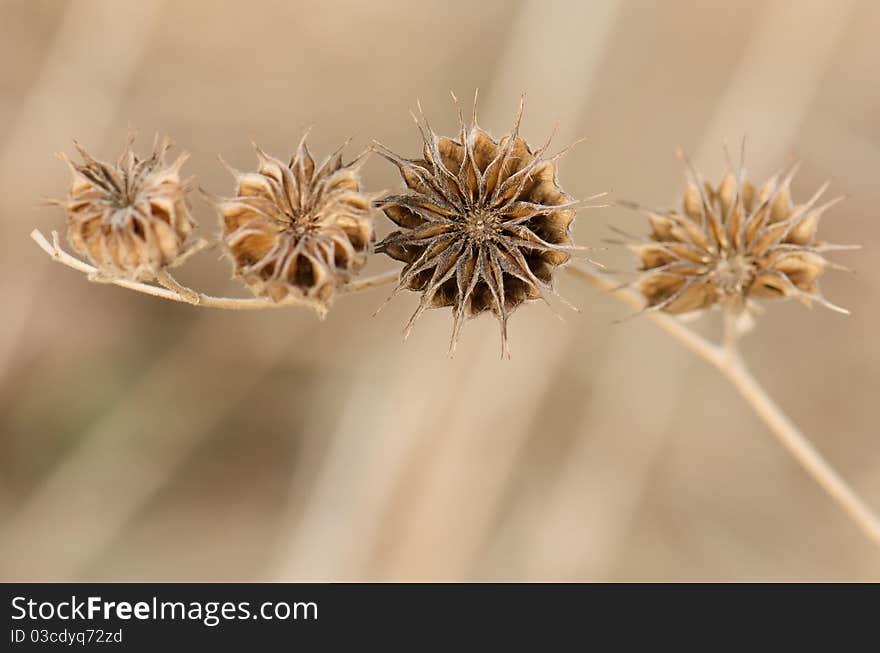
(297, 229)
(132, 219)
(729, 244)
(482, 226)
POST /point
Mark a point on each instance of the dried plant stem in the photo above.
(173, 290)
(372, 282)
(727, 360)
(730, 338)
(799, 447)
(172, 284)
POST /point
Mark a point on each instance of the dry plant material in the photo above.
(131, 219)
(482, 225)
(730, 244)
(298, 229)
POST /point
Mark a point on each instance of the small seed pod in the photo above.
(730, 244)
(132, 219)
(298, 229)
(482, 226)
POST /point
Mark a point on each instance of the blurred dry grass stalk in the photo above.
(340, 474)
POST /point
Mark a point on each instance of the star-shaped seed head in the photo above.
(482, 225)
(298, 228)
(729, 244)
(131, 219)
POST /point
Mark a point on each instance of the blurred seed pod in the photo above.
(730, 243)
(298, 229)
(132, 219)
(482, 226)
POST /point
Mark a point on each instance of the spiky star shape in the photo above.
(729, 244)
(482, 226)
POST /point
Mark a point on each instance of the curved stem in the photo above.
(167, 281)
(727, 360)
(173, 290)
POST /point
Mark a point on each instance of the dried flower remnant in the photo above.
(482, 226)
(298, 229)
(132, 219)
(730, 244)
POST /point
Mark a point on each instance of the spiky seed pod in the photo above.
(132, 219)
(482, 226)
(729, 244)
(298, 229)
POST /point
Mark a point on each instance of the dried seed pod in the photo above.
(482, 225)
(297, 229)
(729, 244)
(132, 219)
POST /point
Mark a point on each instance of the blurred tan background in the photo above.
(145, 440)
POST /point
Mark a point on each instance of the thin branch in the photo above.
(172, 284)
(728, 361)
(376, 281)
(173, 290)
(799, 447)
(667, 322)
(730, 337)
